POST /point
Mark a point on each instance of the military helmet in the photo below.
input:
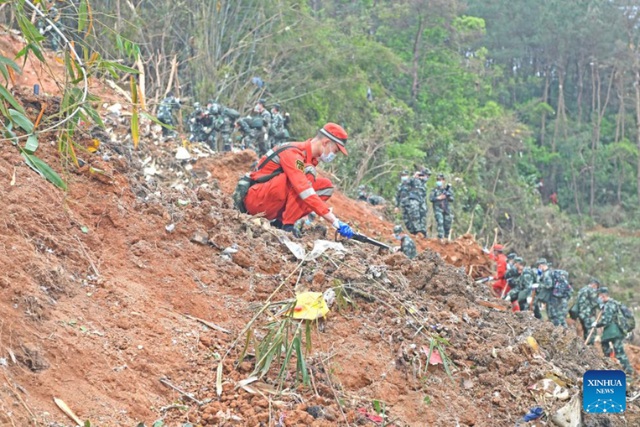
(518, 260)
(397, 229)
(603, 290)
(542, 261)
(512, 255)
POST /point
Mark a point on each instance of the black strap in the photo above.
(265, 178)
(272, 155)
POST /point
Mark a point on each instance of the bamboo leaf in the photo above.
(43, 170)
(32, 144)
(21, 120)
(301, 365)
(4, 93)
(91, 112)
(8, 62)
(135, 129)
(83, 16)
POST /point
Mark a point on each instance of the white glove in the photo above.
(535, 286)
(593, 325)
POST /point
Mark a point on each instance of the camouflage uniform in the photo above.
(411, 198)
(586, 305)
(407, 245)
(277, 132)
(165, 113)
(557, 308)
(214, 122)
(521, 288)
(227, 122)
(195, 125)
(543, 293)
(613, 335)
(47, 30)
(362, 193)
(442, 210)
(375, 200)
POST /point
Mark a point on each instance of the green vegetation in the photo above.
(497, 94)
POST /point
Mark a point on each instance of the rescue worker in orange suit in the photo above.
(500, 287)
(294, 191)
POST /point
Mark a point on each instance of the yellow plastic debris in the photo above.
(309, 306)
(533, 343)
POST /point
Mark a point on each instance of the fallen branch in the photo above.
(208, 324)
(184, 393)
(67, 411)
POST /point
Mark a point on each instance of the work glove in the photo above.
(594, 324)
(535, 285)
(343, 229)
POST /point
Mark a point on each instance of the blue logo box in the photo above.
(604, 392)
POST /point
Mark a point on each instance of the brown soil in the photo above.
(101, 289)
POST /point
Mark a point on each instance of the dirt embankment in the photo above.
(106, 292)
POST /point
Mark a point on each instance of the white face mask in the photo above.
(327, 158)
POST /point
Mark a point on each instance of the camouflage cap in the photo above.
(594, 281)
(542, 261)
(262, 101)
(441, 176)
(276, 106)
(397, 229)
(603, 290)
(405, 172)
(512, 255)
(518, 260)
(312, 215)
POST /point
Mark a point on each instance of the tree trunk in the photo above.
(545, 99)
(415, 87)
(637, 87)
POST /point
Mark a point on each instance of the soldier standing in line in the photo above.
(412, 199)
(441, 198)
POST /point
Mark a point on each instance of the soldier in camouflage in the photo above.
(411, 198)
(48, 30)
(558, 305)
(511, 260)
(586, 306)
(213, 125)
(612, 335)
(441, 198)
(195, 123)
(277, 131)
(227, 124)
(165, 112)
(521, 285)
(543, 287)
(407, 245)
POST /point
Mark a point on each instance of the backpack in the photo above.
(625, 318)
(573, 311)
(561, 286)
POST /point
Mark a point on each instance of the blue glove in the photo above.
(345, 230)
(533, 414)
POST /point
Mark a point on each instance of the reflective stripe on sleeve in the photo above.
(307, 193)
(325, 192)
